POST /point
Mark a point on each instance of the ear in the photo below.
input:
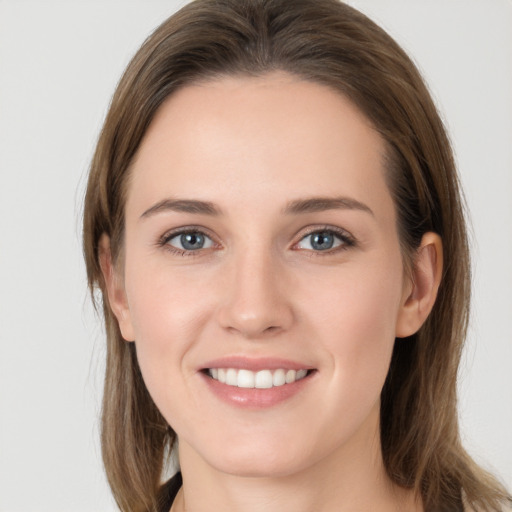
(114, 284)
(420, 291)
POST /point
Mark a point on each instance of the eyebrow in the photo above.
(182, 205)
(320, 204)
(297, 206)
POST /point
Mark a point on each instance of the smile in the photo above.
(262, 379)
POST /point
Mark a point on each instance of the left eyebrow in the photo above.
(320, 204)
(182, 205)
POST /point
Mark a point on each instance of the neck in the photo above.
(352, 478)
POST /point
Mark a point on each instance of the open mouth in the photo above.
(261, 379)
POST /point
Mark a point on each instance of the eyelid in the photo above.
(163, 241)
(348, 240)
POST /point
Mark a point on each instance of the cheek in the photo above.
(165, 303)
(168, 310)
(357, 323)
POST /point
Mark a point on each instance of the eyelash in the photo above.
(164, 240)
(347, 240)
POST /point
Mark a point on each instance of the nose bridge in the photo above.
(255, 303)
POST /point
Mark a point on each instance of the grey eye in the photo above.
(320, 241)
(192, 241)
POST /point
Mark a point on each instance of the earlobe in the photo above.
(115, 289)
(421, 292)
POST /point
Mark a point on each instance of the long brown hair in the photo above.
(330, 43)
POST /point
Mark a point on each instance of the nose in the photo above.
(256, 297)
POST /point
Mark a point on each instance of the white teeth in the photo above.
(290, 376)
(279, 378)
(245, 379)
(301, 374)
(231, 377)
(262, 379)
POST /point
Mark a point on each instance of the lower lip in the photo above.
(253, 398)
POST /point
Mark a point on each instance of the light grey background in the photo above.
(59, 63)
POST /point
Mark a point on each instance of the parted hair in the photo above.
(329, 43)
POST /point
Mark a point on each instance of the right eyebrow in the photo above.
(182, 205)
(320, 204)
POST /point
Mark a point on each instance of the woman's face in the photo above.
(261, 241)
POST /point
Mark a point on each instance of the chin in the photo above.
(258, 462)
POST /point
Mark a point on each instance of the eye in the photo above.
(323, 240)
(190, 241)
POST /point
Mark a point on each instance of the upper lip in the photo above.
(255, 363)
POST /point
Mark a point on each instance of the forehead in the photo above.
(274, 135)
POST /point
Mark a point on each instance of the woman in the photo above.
(273, 217)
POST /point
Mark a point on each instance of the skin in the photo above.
(261, 289)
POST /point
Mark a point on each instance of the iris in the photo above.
(192, 241)
(322, 241)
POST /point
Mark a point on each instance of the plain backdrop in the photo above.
(59, 63)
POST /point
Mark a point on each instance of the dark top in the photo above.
(168, 493)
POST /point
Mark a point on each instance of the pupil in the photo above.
(322, 241)
(192, 241)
